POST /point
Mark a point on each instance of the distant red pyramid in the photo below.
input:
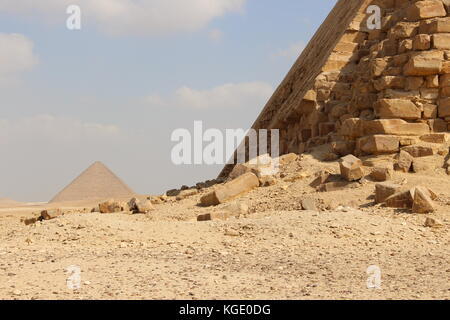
(96, 182)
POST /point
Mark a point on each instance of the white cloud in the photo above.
(16, 57)
(293, 51)
(240, 95)
(44, 129)
(142, 17)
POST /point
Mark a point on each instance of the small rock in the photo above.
(309, 204)
(351, 168)
(432, 223)
(422, 201)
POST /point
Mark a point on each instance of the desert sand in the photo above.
(276, 250)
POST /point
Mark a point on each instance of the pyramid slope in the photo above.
(96, 182)
(351, 84)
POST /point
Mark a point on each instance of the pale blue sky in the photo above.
(109, 91)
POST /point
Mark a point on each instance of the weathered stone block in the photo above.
(403, 200)
(422, 42)
(422, 201)
(384, 191)
(419, 151)
(397, 108)
(378, 144)
(425, 9)
(382, 174)
(441, 41)
(404, 162)
(424, 64)
(444, 107)
(435, 138)
(230, 190)
(351, 168)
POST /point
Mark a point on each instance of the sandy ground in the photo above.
(277, 251)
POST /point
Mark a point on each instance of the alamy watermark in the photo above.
(374, 20)
(374, 277)
(73, 22)
(213, 146)
(73, 280)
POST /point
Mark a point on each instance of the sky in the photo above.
(115, 90)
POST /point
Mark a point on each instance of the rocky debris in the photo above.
(419, 151)
(351, 168)
(50, 214)
(337, 186)
(418, 199)
(236, 209)
(385, 190)
(186, 194)
(321, 178)
(267, 181)
(230, 190)
(309, 204)
(404, 161)
(401, 200)
(382, 174)
(111, 206)
(422, 201)
(432, 223)
(140, 206)
(288, 159)
(222, 215)
(261, 166)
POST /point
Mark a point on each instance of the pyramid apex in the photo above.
(96, 182)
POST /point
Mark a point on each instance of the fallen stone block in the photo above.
(50, 214)
(321, 178)
(110, 206)
(140, 206)
(379, 144)
(337, 186)
(422, 201)
(351, 168)
(213, 216)
(419, 151)
(432, 223)
(402, 200)
(186, 194)
(404, 162)
(384, 191)
(237, 209)
(230, 190)
(382, 174)
(309, 204)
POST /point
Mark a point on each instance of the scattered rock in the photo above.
(213, 216)
(51, 214)
(422, 201)
(405, 161)
(432, 223)
(140, 206)
(186, 194)
(309, 204)
(418, 151)
(230, 190)
(384, 191)
(110, 206)
(382, 174)
(351, 168)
